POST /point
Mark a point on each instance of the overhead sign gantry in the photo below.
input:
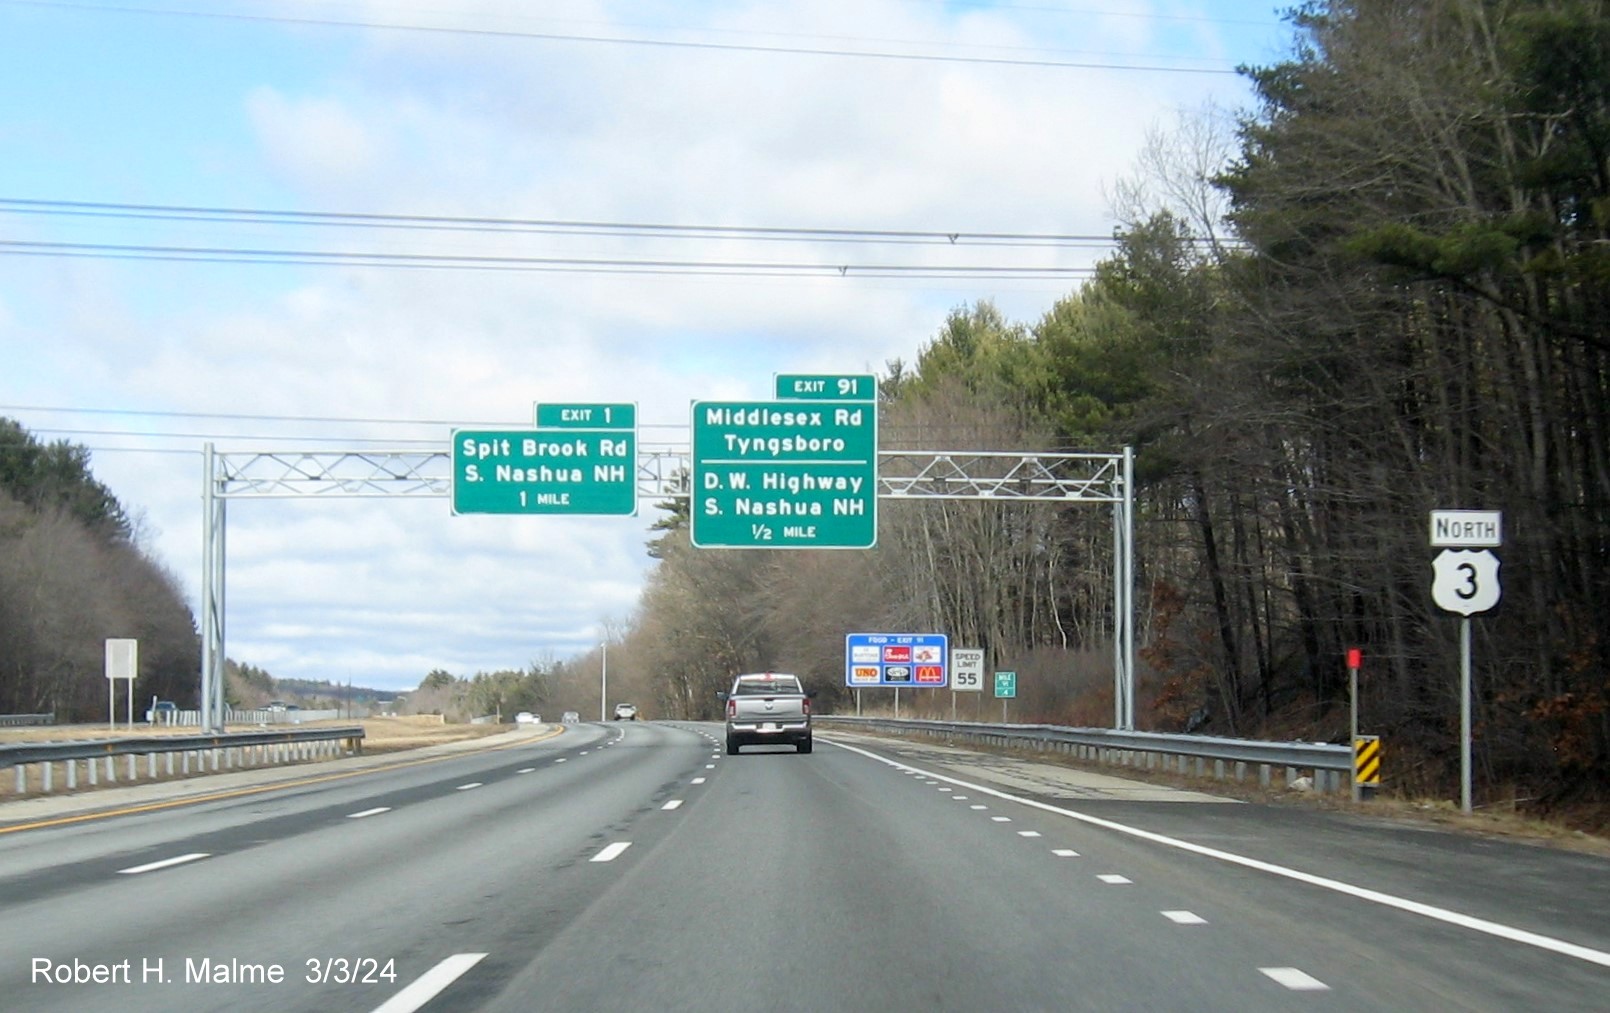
(807, 468)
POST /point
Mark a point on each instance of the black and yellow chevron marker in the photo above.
(1367, 759)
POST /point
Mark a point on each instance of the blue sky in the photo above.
(474, 108)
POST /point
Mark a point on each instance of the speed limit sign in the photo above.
(967, 669)
(1465, 581)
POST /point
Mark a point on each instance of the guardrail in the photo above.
(1330, 766)
(260, 716)
(14, 720)
(219, 752)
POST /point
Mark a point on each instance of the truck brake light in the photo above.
(732, 708)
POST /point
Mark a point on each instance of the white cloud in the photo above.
(318, 142)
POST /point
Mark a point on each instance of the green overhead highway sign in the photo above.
(530, 471)
(826, 387)
(784, 475)
(587, 416)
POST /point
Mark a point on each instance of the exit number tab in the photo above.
(826, 387)
(621, 417)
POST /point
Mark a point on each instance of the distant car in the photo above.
(625, 712)
(162, 712)
(571, 717)
(527, 718)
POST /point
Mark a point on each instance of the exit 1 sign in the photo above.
(555, 471)
(587, 416)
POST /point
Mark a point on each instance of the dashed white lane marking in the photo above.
(1028, 833)
(1114, 879)
(467, 787)
(1491, 928)
(376, 811)
(427, 985)
(612, 852)
(525, 770)
(1000, 819)
(1295, 980)
(562, 759)
(958, 798)
(675, 803)
(584, 752)
(153, 866)
(1184, 918)
(709, 766)
(1064, 852)
(978, 807)
(697, 780)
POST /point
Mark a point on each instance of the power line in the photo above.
(483, 262)
(627, 40)
(477, 223)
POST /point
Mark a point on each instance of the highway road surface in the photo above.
(633, 866)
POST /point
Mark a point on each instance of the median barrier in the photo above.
(182, 755)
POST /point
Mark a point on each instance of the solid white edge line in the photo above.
(376, 811)
(1471, 922)
(612, 852)
(426, 986)
(1297, 981)
(153, 866)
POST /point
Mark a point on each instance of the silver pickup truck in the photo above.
(768, 708)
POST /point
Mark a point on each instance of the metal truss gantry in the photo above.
(982, 476)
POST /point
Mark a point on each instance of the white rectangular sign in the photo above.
(122, 658)
(1467, 529)
(967, 669)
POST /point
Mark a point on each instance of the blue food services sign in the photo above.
(917, 660)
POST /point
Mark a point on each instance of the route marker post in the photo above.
(1465, 581)
(1355, 661)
